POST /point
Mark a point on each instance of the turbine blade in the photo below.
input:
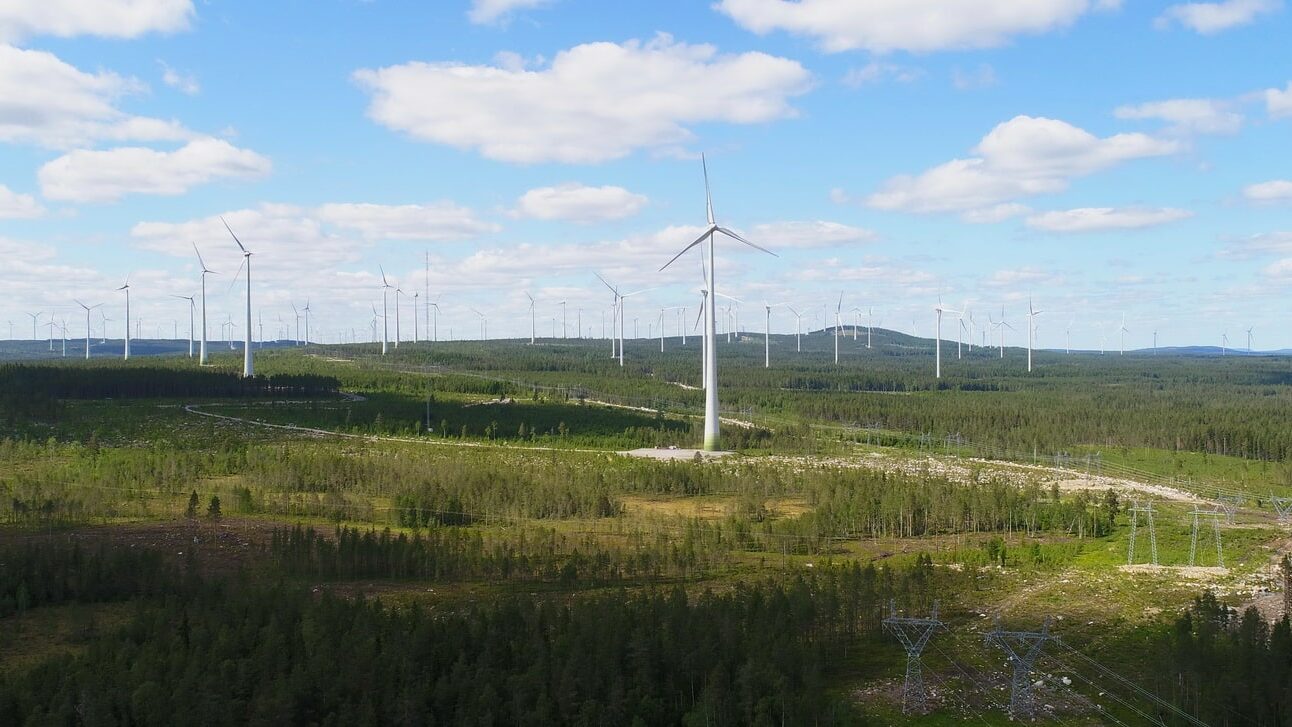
(708, 199)
(200, 261)
(734, 236)
(608, 285)
(698, 240)
(235, 237)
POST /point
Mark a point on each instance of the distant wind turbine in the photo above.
(191, 305)
(89, 308)
(937, 344)
(205, 271)
(533, 320)
(1032, 313)
(35, 317)
(126, 349)
(1249, 340)
(385, 327)
(1122, 331)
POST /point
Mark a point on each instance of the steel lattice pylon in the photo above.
(1135, 511)
(1214, 514)
(1282, 506)
(1023, 649)
(914, 633)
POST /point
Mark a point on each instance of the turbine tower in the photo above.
(201, 355)
(385, 326)
(89, 308)
(248, 363)
(1032, 313)
(126, 349)
(533, 322)
(191, 305)
(35, 317)
(710, 326)
(937, 334)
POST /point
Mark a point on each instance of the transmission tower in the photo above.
(1136, 510)
(1023, 649)
(1283, 507)
(1214, 514)
(914, 633)
(1229, 503)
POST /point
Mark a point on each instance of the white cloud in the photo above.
(14, 206)
(578, 203)
(1265, 243)
(594, 102)
(879, 71)
(807, 234)
(108, 18)
(185, 83)
(1021, 277)
(1271, 191)
(995, 213)
(1278, 102)
(100, 176)
(483, 12)
(1279, 269)
(1187, 115)
(1022, 157)
(51, 103)
(984, 76)
(434, 221)
(1099, 219)
(881, 26)
(1208, 18)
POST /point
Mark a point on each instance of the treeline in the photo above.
(48, 572)
(238, 653)
(1228, 668)
(457, 554)
(132, 382)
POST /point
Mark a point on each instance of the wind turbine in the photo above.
(1249, 340)
(1032, 313)
(126, 349)
(837, 324)
(191, 305)
(564, 333)
(385, 327)
(1122, 331)
(34, 318)
(711, 434)
(307, 321)
(767, 333)
(533, 320)
(484, 324)
(798, 321)
(435, 320)
(1067, 335)
(248, 363)
(937, 343)
(89, 308)
(296, 315)
(201, 356)
(1224, 342)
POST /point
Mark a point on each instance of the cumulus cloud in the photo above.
(102, 176)
(185, 83)
(53, 104)
(1100, 219)
(14, 206)
(1276, 190)
(579, 203)
(879, 72)
(434, 221)
(107, 18)
(592, 103)
(1278, 102)
(1187, 115)
(882, 26)
(483, 12)
(1265, 243)
(808, 234)
(1209, 18)
(1023, 157)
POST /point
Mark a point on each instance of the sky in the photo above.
(1107, 159)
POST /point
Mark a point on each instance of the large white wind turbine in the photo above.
(1249, 339)
(767, 334)
(248, 363)
(1224, 342)
(201, 352)
(191, 305)
(484, 324)
(35, 317)
(533, 320)
(798, 325)
(385, 327)
(126, 349)
(307, 321)
(1032, 313)
(1122, 331)
(838, 323)
(711, 394)
(89, 308)
(939, 309)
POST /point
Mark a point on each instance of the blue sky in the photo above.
(1106, 158)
